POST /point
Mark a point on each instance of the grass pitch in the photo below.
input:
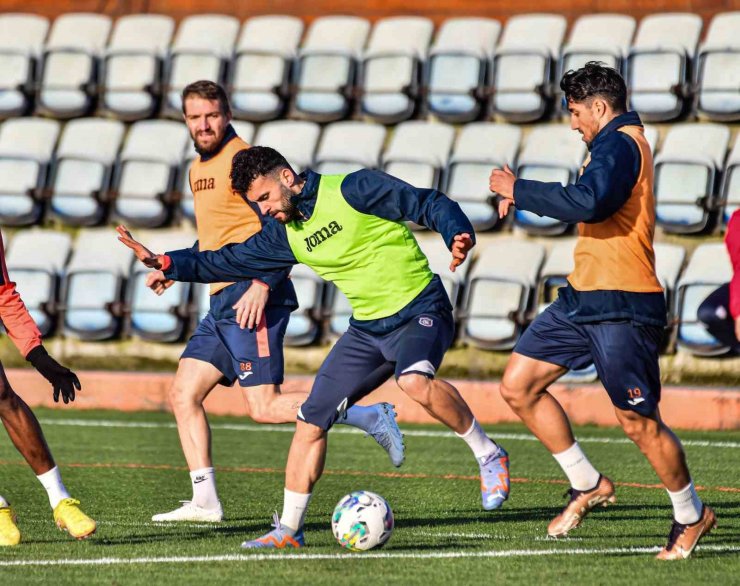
(126, 467)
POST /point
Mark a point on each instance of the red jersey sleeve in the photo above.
(732, 241)
(21, 328)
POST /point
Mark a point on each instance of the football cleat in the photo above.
(494, 479)
(277, 538)
(683, 538)
(388, 435)
(580, 504)
(71, 519)
(9, 533)
(189, 511)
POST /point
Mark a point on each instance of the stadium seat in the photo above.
(524, 66)
(26, 149)
(260, 73)
(651, 136)
(708, 268)
(71, 63)
(392, 67)
(326, 67)
(94, 285)
(418, 152)
(21, 44)
(340, 312)
(501, 291)
(304, 326)
(349, 146)
(244, 129)
(718, 69)
(669, 261)
(295, 139)
(146, 175)
(82, 170)
(202, 48)
(460, 68)
(551, 153)
(161, 318)
(687, 171)
(133, 65)
(36, 260)
(730, 198)
(659, 65)
(480, 146)
(439, 256)
(598, 37)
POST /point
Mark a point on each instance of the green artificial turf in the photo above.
(123, 475)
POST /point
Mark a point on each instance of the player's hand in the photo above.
(251, 305)
(63, 380)
(158, 283)
(502, 181)
(142, 252)
(461, 245)
(503, 207)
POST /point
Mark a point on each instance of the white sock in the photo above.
(3, 502)
(361, 417)
(479, 442)
(52, 482)
(295, 506)
(204, 488)
(686, 505)
(581, 474)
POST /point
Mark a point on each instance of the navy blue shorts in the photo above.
(255, 356)
(624, 353)
(360, 361)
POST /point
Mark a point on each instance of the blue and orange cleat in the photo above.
(277, 538)
(494, 479)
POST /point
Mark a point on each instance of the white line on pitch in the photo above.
(341, 429)
(280, 556)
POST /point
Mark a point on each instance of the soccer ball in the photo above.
(362, 520)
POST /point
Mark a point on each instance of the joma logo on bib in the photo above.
(320, 235)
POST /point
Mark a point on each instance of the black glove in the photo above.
(62, 379)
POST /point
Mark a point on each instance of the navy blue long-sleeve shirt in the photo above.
(368, 192)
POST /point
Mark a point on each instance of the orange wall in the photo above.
(436, 9)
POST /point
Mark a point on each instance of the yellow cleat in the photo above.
(71, 519)
(9, 534)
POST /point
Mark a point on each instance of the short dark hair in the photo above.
(208, 90)
(258, 161)
(593, 80)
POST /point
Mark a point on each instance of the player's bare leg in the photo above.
(269, 404)
(524, 388)
(194, 380)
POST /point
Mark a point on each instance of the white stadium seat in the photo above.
(350, 146)
(260, 74)
(36, 259)
(82, 169)
(731, 184)
(686, 173)
(660, 63)
(598, 37)
(161, 318)
(669, 262)
(460, 66)
(26, 150)
(305, 322)
(296, 140)
(439, 256)
(21, 44)
(134, 64)
(202, 48)
(500, 294)
(718, 66)
(93, 288)
(418, 152)
(551, 153)
(480, 146)
(391, 67)
(708, 268)
(147, 169)
(326, 68)
(71, 60)
(525, 63)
